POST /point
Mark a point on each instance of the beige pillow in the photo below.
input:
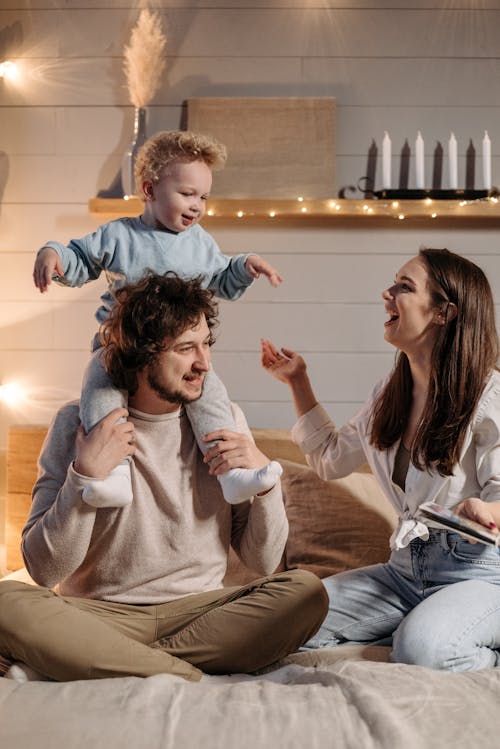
(335, 525)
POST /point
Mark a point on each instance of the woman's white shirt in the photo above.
(334, 453)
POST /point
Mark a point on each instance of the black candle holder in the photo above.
(434, 194)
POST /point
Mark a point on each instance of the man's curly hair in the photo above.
(146, 316)
(169, 145)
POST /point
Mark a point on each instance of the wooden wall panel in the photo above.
(355, 81)
(24, 227)
(92, 172)
(303, 236)
(323, 4)
(250, 31)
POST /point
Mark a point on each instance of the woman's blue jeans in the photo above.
(437, 601)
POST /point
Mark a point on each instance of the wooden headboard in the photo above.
(23, 448)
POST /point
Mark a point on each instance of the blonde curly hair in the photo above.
(168, 145)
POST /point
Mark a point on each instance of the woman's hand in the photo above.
(475, 509)
(286, 365)
(289, 367)
(233, 450)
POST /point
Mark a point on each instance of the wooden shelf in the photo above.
(332, 210)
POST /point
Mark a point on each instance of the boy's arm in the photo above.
(256, 266)
(75, 264)
(239, 274)
(232, 275)
(233, 279)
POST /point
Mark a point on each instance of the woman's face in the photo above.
(413, 320)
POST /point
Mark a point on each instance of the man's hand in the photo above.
(256, 265)
(105, 447)
(233, 450)
(47, 264)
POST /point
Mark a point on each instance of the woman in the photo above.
(430, 431)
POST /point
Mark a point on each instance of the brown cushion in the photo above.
(335, 525)
(277, 445)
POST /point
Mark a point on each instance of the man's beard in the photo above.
(172, 396)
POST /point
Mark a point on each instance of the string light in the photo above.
(9, 70)
(377, 208)
(11, 393)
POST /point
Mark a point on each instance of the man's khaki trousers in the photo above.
(230, 630)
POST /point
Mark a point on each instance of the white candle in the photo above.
(452, 159)
(386, 162)
(486, 161)
(419, 162)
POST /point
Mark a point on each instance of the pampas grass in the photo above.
(144, 58)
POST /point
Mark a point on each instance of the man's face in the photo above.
(179, 373)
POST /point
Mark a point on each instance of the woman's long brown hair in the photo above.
(465, 352)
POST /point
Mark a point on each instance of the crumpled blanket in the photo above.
(314, 700)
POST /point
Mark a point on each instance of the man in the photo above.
(140, 586)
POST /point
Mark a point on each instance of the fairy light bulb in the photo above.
(9, 70)
(10, 393)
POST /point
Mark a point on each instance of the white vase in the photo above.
(128, 161)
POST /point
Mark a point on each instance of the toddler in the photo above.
(173, 174)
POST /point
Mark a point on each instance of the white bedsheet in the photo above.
(328, 698)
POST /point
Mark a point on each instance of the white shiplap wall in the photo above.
(391, 65)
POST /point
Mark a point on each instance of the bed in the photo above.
(349, 697)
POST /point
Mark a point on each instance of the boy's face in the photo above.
(179, 198)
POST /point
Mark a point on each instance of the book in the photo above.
(442, 517)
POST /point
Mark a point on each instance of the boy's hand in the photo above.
(47, 264)
(255, 265)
